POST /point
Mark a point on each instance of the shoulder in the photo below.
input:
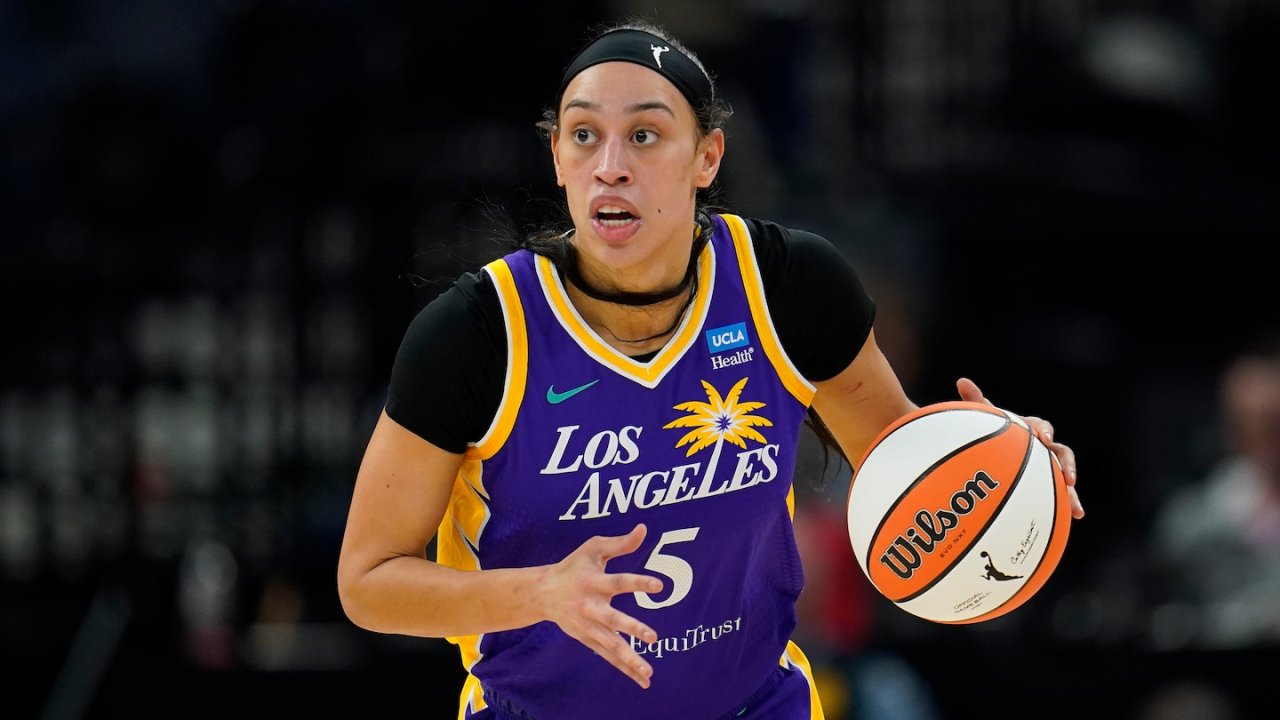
(814, 295)
(464, 320)
(768, 235)
(772, 238)
(447, 374)
(785, 252)
(472, 297)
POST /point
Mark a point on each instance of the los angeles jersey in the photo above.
(698, 443)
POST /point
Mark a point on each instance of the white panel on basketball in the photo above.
(951, 429)
(1016, 541)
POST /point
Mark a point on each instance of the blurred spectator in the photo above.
(207, 594)
(1217, 541)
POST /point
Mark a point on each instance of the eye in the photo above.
(583, 136)
(644, 137)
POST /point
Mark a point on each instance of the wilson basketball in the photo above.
(958, 513)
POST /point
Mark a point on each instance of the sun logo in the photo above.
(718, 420)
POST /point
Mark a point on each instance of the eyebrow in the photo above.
(632, 108)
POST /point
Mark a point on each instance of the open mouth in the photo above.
(613, 216)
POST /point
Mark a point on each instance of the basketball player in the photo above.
(599, 429)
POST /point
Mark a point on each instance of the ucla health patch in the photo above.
(727, 337)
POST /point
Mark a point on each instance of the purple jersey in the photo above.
(698, 443)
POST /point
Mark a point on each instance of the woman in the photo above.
(600, 429)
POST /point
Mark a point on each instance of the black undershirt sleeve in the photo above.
(819, 306)
(446, 381)
(447, 378)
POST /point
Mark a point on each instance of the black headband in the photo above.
(649, 50)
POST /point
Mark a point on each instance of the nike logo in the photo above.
(555, 398)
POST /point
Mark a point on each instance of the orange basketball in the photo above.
(958, 513)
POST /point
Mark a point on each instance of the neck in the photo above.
(633, 321)
(571, 268)
(634, 328)
(624, 297)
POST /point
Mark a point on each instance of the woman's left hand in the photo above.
(1043, 429)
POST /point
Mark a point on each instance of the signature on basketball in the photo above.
(1024, 547)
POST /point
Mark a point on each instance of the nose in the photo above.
(614, 168)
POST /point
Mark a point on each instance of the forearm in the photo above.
(415, 596)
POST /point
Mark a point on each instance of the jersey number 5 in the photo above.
(679, 572)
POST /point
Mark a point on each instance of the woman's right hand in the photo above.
(576, 594)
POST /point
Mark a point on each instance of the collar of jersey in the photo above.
(648, 373)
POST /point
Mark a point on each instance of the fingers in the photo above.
(1041, 427)
(609, 547)
(1066, 458)
(607, 632)
(1043, 430)
(578, 595)
(629, 661)
(617, 651)
(1077, 510)
(624, 623)
(970, 392)
(620, 583)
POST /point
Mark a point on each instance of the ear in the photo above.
(555, 157)
(711, 152)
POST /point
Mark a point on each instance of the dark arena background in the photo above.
(217, 218)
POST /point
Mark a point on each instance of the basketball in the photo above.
(958, 513)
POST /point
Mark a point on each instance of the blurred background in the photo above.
(217, 218)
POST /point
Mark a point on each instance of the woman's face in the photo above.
(629, 157)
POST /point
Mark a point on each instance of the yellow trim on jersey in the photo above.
(791, 378)
(468, 512)
(471, 695)
(517, 362)
(650, 373)
(460, 530)
(793, 656)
